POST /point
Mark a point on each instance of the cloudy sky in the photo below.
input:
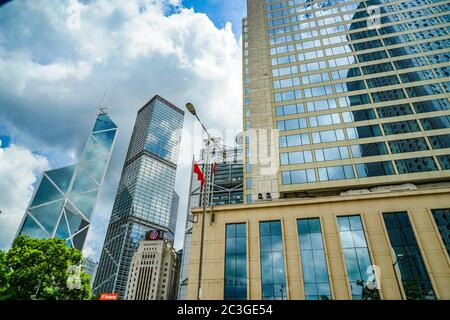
(56, 70)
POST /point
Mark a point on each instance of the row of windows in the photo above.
(383, 112)
(316, 280)
(365, 170)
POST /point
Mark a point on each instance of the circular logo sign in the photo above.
(154, 235)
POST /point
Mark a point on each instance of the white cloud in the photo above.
(19, 171)
(52, 79)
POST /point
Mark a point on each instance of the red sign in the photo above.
(153, 235)
(109, 296)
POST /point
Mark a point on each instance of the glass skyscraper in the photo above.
(65, 199)
(359, 91)
(145, 198)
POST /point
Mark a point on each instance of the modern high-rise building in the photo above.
(145, 198)
(153, 273)
(225, 187)
(65, 198)
(347, 156)
(358, 91)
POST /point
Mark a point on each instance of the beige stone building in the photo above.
(347, 156)
(153, 272)
(422, 206)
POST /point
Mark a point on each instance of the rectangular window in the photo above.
(336, 173)
(401, 127)
(394, 111)
(416, 165)
(369, 149)
(314, 264)
(414, 276)
(436, 123)
(408, 145)
(440, 142)
(375, 169)
(357, 258)
(272, 261)
(442, 219)
(236, 262)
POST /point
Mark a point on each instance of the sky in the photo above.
(60, 60)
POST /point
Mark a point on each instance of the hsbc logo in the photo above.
(153, 235)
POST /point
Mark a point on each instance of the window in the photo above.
(414, 276)
(272, 261)
(330, 154)
(440, 142)
(444, 161)
(375, 169)
(314, 264)
(442, 219)
(436, 123)
(369, 149)
(416, 165)
(357, 258)
(298, 157)
(336, 173)
(298, 176)
(408, 145)
(236, 262)
(401, 127)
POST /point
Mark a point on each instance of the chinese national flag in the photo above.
(200, 175)
(214, 168)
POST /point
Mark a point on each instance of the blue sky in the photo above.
(221, 11)
(53, 78)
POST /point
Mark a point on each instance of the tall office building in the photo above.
(65, 199)
(226, 187)
(357, 89)
(90, 267)
(145, 198)
(347, 156)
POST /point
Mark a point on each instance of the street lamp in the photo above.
(399, 256)
(190, 107)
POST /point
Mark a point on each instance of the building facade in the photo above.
(145, 198)
(347, 156)
(225, 187)
(349, 92)
(65, 198)
(153, 273)
(339, 247)
(90, 267)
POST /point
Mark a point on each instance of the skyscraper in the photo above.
(145, 196)
(65, 199)
(347, 149)
(357, 89)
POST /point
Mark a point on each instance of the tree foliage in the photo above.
(37, 269)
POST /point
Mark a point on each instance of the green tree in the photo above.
(3, 274)
(38, 269)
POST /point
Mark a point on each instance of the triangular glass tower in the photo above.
(65, 199)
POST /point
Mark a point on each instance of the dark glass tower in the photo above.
(144, 199)
(65, 199)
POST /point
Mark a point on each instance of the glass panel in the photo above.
(106, 138)
(85, 202)
(48, 215)
(442, 219)
(236, 262)
(103, 122)
(357, 258)
(62, 177)
(314, 267)
(31, 228)
(272, 262)
(46, 193)
(411, 267)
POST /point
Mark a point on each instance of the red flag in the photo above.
(200, 175)
(214, 168)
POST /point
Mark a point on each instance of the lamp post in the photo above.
(190, 107)
(399, 257)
